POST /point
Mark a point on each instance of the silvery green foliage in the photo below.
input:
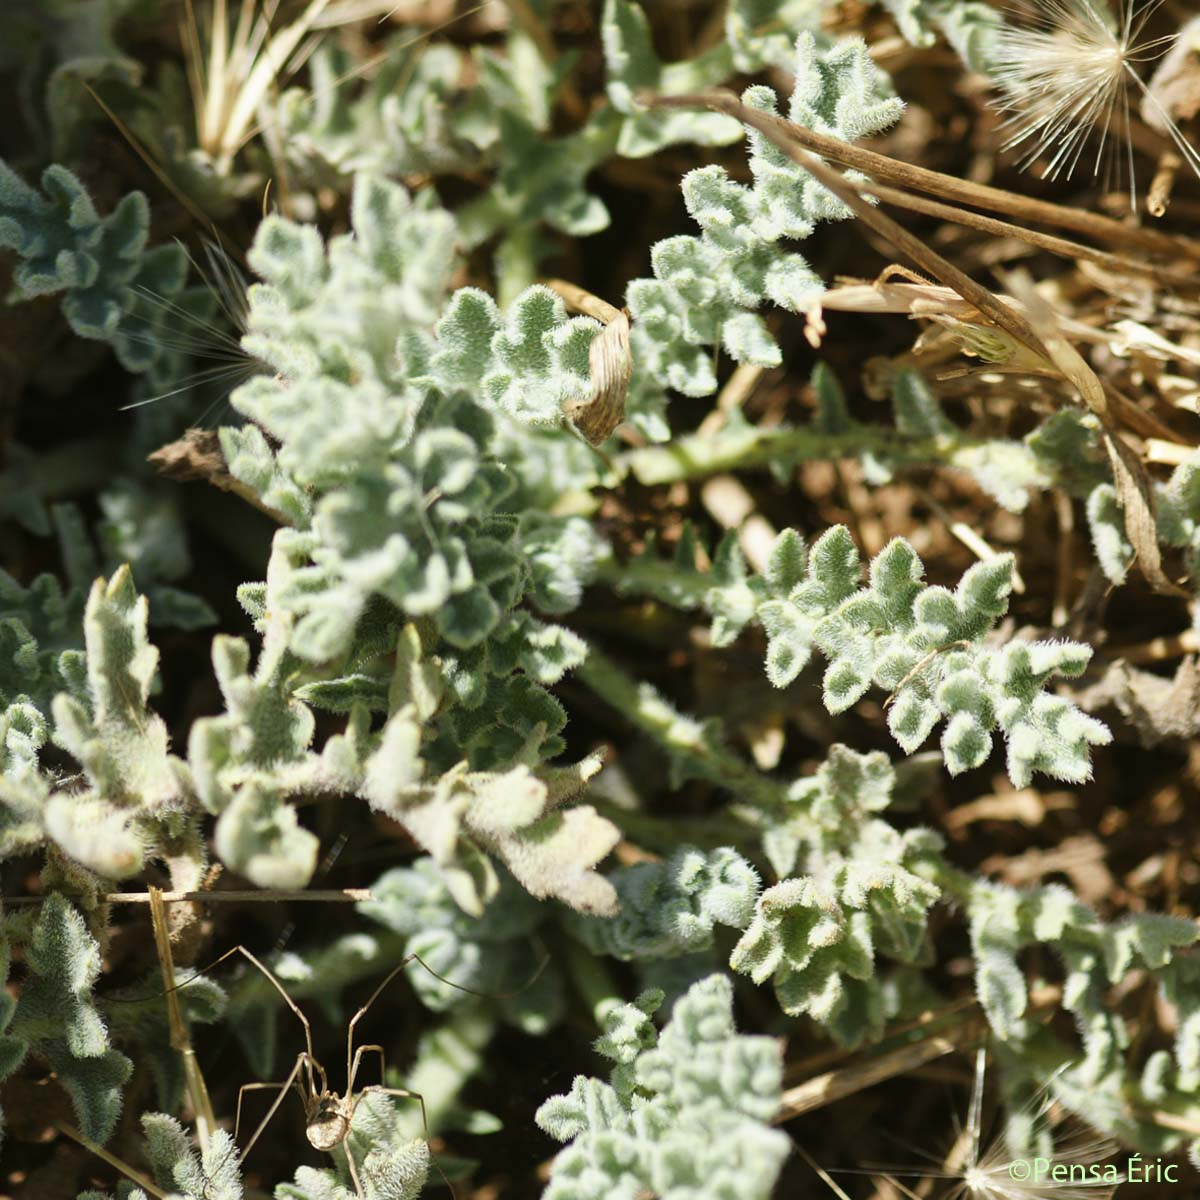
(633, 67)
(37, 624)
(462, 816)
(56, 1016)
(926, 646)
(968, 25)
(539, 181)
(1095, 956)
(379, 421)
(494, 955)
(860, 893)
(403, 121)
(758, 33)
(134, 796)
(391, 1165)
(1179, 514)
(706, 289)
(180, 1170)
(686, 1113)
(142, 526)
(401, 509)
(248, 761)
(100, 265)
(668, 909)
(763, 32)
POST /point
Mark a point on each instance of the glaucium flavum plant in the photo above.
(424, 659)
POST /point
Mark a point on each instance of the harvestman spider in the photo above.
(327, 1115)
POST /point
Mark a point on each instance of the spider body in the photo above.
(328, 1120)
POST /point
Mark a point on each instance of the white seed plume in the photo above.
(976, 1169)
(991, 1173)
(1066, 70)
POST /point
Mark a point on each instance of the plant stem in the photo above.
(687, 741)
(591, 979)
(738, 447)
(447, 1059)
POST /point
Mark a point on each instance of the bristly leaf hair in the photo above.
(1066, 69)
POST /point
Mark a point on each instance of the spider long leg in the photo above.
(414, 957)
(358, 1053)
(358, 1188)
(240, 949)
(362, 1012)
(284, 1088)
(401, 1093)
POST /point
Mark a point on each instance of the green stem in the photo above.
(448, 1058)
(664, 834)
(739, 446)
(591, 979)
(691, 744)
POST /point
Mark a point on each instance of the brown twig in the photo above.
(330, 896)
(197, 1089)
(841, 1082)
(1063, 247)
(113, 1161)
(783, 134)
(891, 170)
(846, 1081)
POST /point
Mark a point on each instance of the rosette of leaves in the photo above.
(860, 893)
(669, 909)
(927, 646)
(404, 120)
(250, 763)
(379, 425)
(384, 465)
(924, 645)
(686, 1111)
(706, 289)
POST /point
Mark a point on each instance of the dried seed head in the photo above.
(1066, 69)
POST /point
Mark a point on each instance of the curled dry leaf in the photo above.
(611, 363)
(1134, 493)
